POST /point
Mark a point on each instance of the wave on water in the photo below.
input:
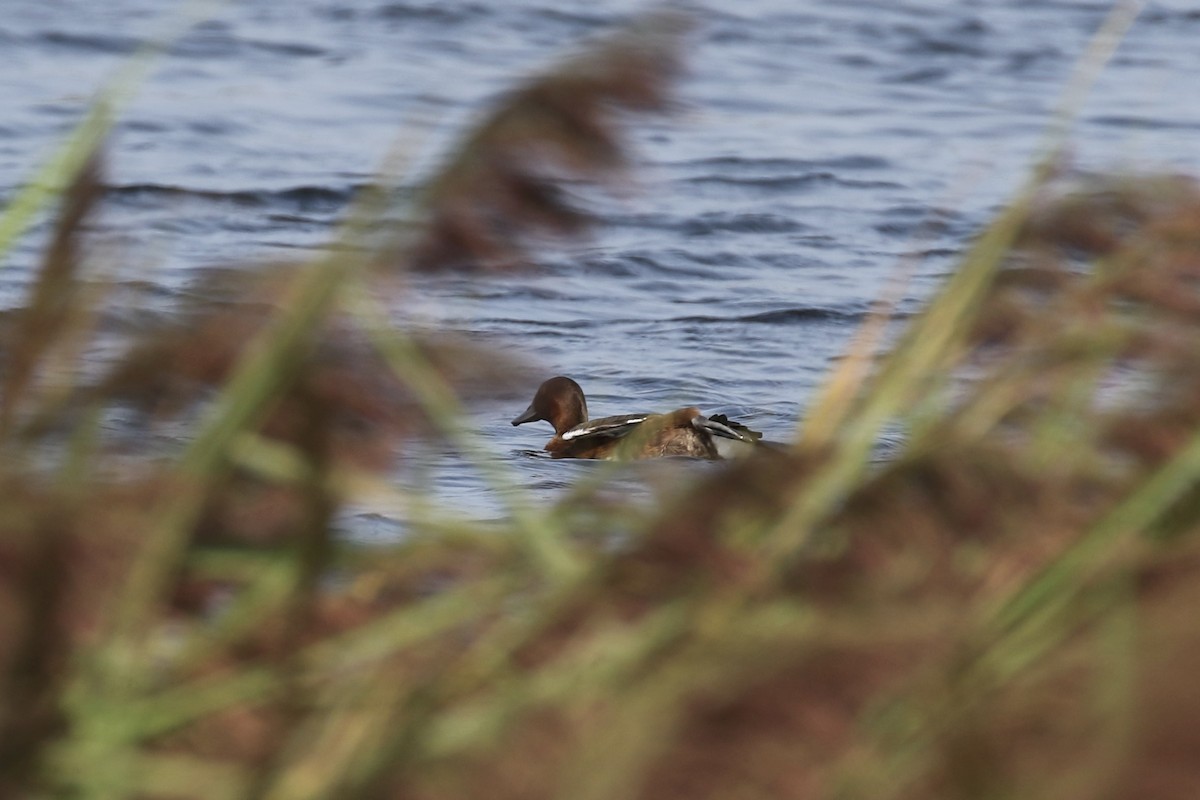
(782, 316)
(787, 183)
(305, 198)
(115, 44)
(741, 163)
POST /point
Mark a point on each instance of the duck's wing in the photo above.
(723, 426)
(605, 428)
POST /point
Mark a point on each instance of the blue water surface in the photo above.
(820, 146)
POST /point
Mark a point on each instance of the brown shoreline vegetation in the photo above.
(1005, 609)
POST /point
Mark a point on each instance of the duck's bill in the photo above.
(529, 415)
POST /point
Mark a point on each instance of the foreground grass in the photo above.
(1003, 610)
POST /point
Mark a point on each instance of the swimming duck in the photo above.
(684, 432)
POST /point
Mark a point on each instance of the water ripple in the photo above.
(299, 197)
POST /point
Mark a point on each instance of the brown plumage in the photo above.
(683, 432)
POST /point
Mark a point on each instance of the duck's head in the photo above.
(558, 401)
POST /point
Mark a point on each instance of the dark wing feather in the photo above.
(721, 425)
(606, 428)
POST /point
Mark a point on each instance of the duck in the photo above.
(683, 432)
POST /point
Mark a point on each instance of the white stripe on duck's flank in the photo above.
(607, 426)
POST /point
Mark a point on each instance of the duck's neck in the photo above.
(573, 412)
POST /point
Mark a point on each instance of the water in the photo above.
(817, 143)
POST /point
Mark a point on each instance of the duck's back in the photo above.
(633, 436)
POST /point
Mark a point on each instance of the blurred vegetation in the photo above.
(1003, 609)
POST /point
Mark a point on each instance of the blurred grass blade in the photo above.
(921, 358)
(53, 297)
(88, 135)
(545, 541)
(1061, 579)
